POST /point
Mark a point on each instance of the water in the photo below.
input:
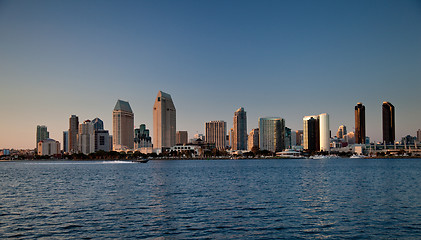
(221, 199)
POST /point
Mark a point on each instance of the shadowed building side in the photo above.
(311, 137)
(360, 123)
(73, 131)
(388, 115)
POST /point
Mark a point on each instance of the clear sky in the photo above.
(274, 58)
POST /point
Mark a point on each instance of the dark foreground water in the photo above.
(225, 199)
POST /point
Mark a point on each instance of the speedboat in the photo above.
(141, 160)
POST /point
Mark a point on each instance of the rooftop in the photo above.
(122, 106)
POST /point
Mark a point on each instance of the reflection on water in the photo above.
(334, 198)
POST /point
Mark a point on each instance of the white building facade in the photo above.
(49, 147)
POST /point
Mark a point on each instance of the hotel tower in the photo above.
(164, 121)
(271, 134)
(123, 125)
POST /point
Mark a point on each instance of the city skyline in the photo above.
(359, 52)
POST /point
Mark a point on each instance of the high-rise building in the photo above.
(287, 138)
(360, 123)
(142, 138)
(231, 138)
(98, 124)
(164, 121)
(73, 131)
(216, 132)
(341, 131)
(181, 137)
(271, 134)
(101, 140)
(311, 133)
(86, 137)
(324, 132)
(42, 134)
(316, 134)
(240, 130)
(101, 137)
(419, 135)
(299, 137)
(65, 141)
(123, 124)
(388, 113)
(253, 139)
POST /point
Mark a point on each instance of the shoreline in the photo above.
(205, 159)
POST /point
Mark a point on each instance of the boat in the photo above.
(141, 160)
(357, 156)
(289, 153)
(323, 157)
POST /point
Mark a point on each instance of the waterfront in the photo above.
(331, 198)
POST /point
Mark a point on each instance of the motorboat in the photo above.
(141, 160)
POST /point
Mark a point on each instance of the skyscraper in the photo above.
(360, 123)
(419, 135)
(341, 131)
(86, 137)
(316, 133)
(311, 133)
(231, 138)
(388, 113)
(299, 137)
(216, 132)
(65, 141)
(123, 124)
(98, 124)
(324, 132)
(73, 131)
(182, 137)
(271, 134)
(164, 121)
(253, 138)
(142, 138)
(240, 130)
(42, 134)
(287, 138)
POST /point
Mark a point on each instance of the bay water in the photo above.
(211, 199)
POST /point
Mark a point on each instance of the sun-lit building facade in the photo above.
(123, 125)
(164, 121)
(271, 134)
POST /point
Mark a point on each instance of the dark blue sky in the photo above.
(274, 58)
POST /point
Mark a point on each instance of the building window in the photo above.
(101, 140)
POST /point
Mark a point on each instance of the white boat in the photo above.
(289, 153)
(323, 157)
(357, 156)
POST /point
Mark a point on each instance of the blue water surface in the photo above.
(212, 199)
